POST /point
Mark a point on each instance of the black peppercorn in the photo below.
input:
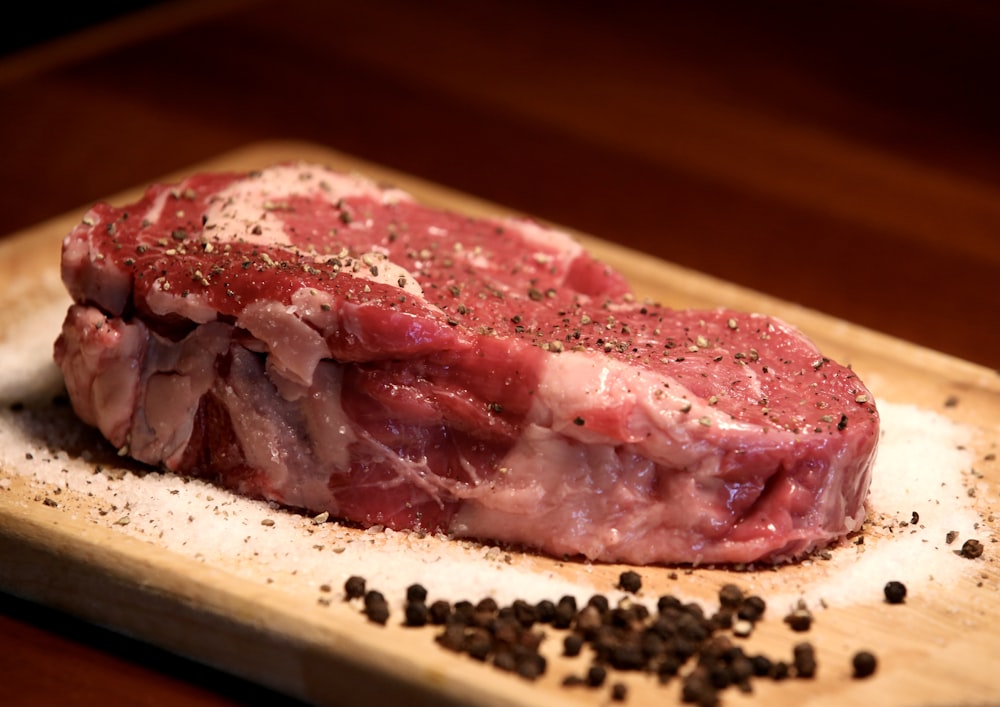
(452, 638)
(752, 608)
(505, 660)
(354, 587)
(417, 613)
(596, 675)
(478, 643)
(376, 608)
(698, 689)
(416, 592)
(568, 601)
(565, 611)
(627, 656)
(439, 612)
(599, 602)
(463, 612)
(721, 620)
(667, 602)
(799, 620)
(972, 549)
(761, 665)
(572, 645)
(667, 668)
(524, 613)
(779, 670)
(619, 692)
(730, 596)
(630, 581)
(805, 660)
(864, 664)
(487, 605)
(895, 592)
(531, 665)
(545, 611)
(588, 620)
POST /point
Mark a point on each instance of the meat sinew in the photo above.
(312, 338)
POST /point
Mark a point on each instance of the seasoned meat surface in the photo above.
(316, 339)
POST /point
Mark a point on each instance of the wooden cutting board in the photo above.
(257, 591)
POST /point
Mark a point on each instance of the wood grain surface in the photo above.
(845, 158)
(262, 625)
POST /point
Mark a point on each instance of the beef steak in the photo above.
(313, 338)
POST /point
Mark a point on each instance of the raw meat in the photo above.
(318, 340)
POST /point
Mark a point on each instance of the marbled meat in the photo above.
(325, 342)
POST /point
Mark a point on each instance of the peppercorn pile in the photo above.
(676, 641)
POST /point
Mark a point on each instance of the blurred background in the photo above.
(802, 149)
(37, 23)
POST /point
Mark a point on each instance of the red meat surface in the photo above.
(318, 340)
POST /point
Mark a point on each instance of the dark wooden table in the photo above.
(845, 157)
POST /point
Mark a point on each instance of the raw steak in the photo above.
(312, 338)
